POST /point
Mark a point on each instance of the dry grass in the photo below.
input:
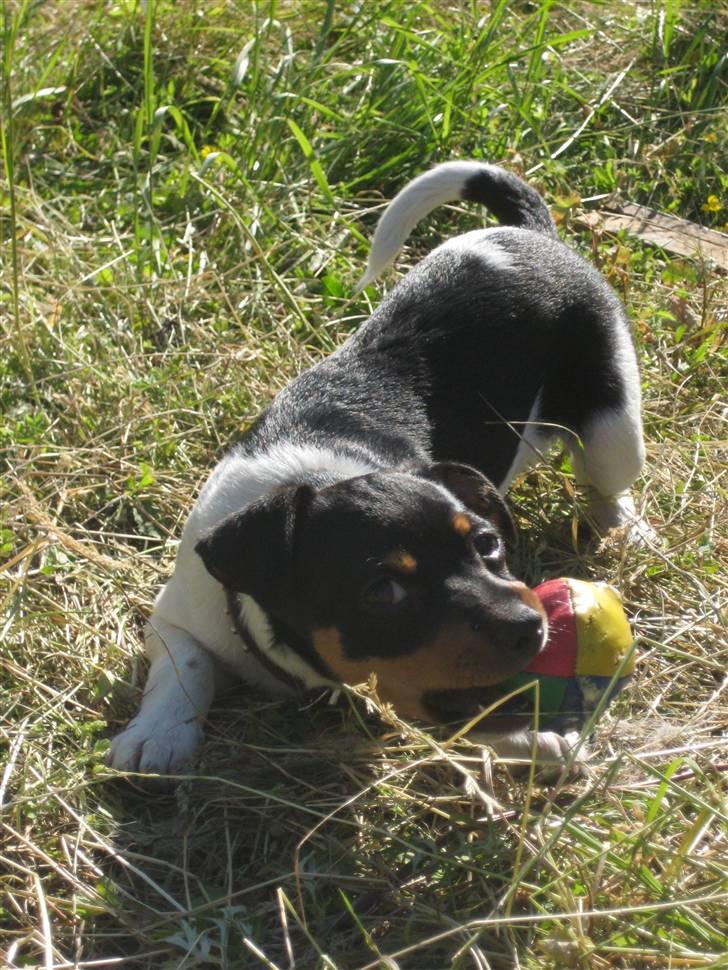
(151, 325)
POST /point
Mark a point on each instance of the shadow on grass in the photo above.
(311, 829)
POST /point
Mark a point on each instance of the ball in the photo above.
(585, 662)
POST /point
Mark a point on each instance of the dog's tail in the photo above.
(510, 199)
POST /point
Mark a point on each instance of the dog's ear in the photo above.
(253, 551)
(475, 491)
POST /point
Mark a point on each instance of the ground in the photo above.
(187, 190)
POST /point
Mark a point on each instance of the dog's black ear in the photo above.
(253, 551)
(475, 491)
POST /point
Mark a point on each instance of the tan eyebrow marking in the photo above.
(402, 561)
(462, 524)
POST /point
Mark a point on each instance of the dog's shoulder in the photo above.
(245, 475)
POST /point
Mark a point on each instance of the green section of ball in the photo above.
(539, 692)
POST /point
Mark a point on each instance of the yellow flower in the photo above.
(712, 204)
(208, 149)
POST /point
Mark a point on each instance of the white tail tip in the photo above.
(418, 198)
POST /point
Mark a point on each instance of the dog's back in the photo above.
(496, 330)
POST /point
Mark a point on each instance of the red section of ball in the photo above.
(558, 656)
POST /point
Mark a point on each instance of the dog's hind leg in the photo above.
(607, 459)
(608, 450)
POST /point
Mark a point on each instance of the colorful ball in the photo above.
(587, 655)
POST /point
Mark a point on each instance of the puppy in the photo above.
(359, 526)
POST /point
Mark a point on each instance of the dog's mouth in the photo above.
(490, 703)
(458, 706)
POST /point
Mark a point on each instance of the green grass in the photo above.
(187, 190)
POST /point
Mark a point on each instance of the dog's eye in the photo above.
(488, 545)
(384, 592)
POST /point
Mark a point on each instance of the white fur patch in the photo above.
(613, 449)
(238, 480)
(533, 439)
(280, 654)
(480, 243)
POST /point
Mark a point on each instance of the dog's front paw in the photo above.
(551, 753)
(154, 748)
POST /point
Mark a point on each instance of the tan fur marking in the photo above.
(457, 657)
(462, 524)
(529, 598)
(402, 561)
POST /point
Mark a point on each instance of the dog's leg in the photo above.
(167, 731)
(534, 439)
(550, 752)
(606, 463)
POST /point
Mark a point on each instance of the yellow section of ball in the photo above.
(603, 632)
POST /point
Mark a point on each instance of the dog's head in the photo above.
(402, 574)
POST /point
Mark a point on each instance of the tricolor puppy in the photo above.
(359, 525)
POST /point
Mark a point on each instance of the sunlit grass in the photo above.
(187, 191)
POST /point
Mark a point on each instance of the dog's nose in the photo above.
(520, 633)
(530, 635)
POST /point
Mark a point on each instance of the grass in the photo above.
(187, 190)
